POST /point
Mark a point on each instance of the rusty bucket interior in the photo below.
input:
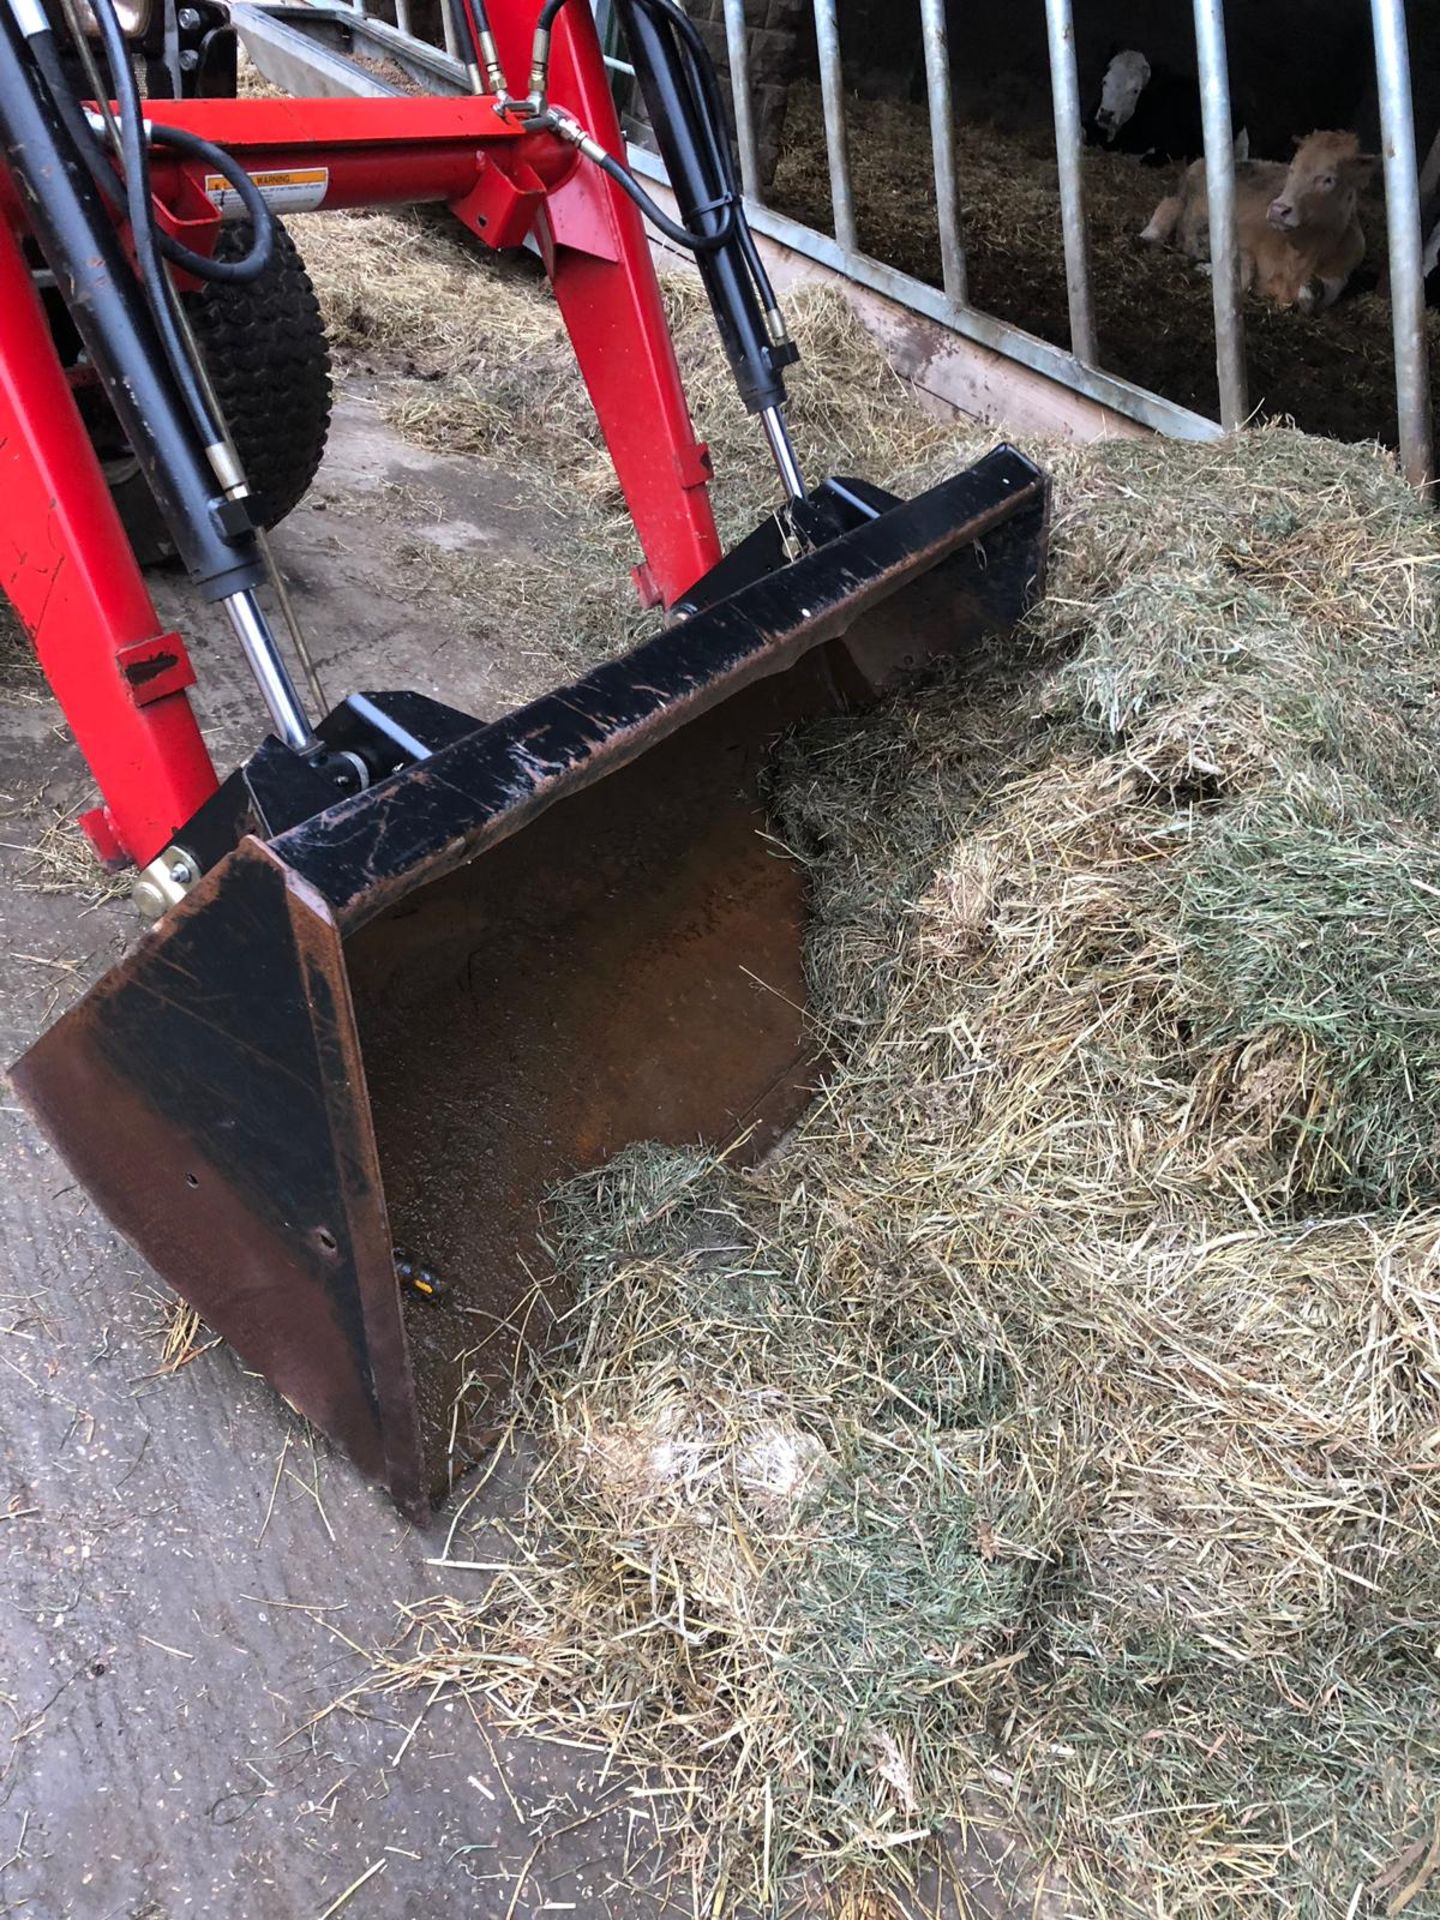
(399, 1025)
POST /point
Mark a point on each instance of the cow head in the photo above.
(1126, 78)
(1324, 178)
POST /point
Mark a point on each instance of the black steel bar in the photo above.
(687, 138)
(78, 240)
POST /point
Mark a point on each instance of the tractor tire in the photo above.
(264, 346)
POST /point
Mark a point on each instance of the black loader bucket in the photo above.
(397, 1025)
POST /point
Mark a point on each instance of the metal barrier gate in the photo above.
(1079, 368)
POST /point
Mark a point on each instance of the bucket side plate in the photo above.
(208, 1092)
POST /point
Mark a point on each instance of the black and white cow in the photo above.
(1150, 111)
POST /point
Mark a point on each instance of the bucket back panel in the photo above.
(630, 968)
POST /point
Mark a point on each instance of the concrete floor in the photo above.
(185, 1576)
(170, 1633)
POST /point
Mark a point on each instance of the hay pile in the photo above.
(476, 359)
(467, 354)
(1054, 1426)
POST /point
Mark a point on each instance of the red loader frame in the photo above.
(65, 561)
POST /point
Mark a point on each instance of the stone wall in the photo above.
(779, 33)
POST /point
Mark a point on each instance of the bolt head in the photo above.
(149, 899)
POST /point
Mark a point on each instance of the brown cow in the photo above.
(1300, 232)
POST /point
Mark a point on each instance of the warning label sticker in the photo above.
(288, 190)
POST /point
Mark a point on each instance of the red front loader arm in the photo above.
(65, 563)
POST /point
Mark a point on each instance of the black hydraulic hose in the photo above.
(540, 49)
(727, 207)
(96, 155)
(46, 50)
(465, 31)
(680, 104)
(699, 71)
(158, 288)
(261, 251)
(257, 257)
(702, 79)
(473, 31)
(672, 229)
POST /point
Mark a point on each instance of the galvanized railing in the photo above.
(1402, 202)
(1084, 371)
(1080, 367)
(1216, 123)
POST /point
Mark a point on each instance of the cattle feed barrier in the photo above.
(277, 32)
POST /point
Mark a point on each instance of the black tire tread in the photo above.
(269, 362)
(265, 349)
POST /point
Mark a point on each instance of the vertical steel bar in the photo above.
(1224, 229)
(1402, 217)
(942, 148)
(737, 49)
(608, 31)
(1065, 93)
(837, 150)
(447, 29)
(272, 676)
(402, 15)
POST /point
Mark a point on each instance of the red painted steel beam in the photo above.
(68, 569)
(599, 260)
(372, 155)
(394, 152)
(245, 125)
(375, 152)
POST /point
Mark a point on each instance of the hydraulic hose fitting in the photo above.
(490, 59)
(779, 333)
(540, 65)
(570, 129)
(227, 470)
